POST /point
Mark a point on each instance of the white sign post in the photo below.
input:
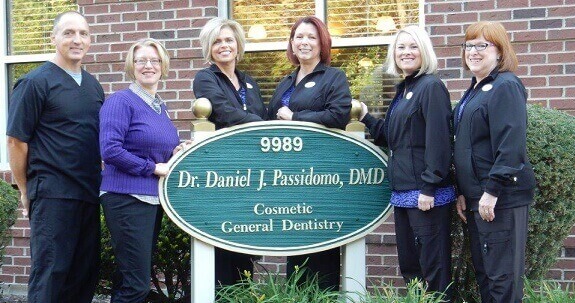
(202, 274)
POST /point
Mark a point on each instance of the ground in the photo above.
(20, 299)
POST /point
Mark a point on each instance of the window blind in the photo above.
(30, 24)
(271, 21)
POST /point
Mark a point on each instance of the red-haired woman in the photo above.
(314, 92)
(494, 177)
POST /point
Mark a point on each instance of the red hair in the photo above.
(495, 33)
(324, 40)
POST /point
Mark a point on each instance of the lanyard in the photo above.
(242, 93)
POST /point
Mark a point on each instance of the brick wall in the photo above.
(542, 32)
(115, 26)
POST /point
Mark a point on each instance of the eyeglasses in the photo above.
(478, 47)
(143, 62)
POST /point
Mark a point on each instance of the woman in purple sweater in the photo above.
(137, 138)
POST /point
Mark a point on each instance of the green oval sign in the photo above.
(277, 188)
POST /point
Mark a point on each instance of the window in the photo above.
(361, 31)
(351, 22)
(15, 71)
(26, 27)
(370, 18)
(30, 24)
(269, 21)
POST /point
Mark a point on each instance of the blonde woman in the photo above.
(495, 179)
(416, 130)
(235, 96)
(236, 99)
(137, 138)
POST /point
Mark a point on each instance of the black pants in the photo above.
(65, 250)
(498, 253)
(325, 264)
(423, 246)
(134, 226)
(230, 266)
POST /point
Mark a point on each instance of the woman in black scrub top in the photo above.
(314, 92)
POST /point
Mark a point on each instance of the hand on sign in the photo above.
(285, 113)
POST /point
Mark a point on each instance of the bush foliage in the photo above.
(8, 205)
(551, 150)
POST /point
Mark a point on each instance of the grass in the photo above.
(299, 288)
(416, 292)
(548, 292)
(302, 287)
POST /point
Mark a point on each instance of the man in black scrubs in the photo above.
(55, 159)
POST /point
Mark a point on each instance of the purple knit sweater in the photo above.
(133, 138)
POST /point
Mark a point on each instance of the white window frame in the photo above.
(224, 11)
(5, 60)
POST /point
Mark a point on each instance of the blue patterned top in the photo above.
(287, 95)
(242, 93)
(408, 198)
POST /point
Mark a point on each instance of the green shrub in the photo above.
(8, 206)
(551, 150)
(171, 265)
(107, 265)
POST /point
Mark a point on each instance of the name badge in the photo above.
(486, 87)
(310, 84)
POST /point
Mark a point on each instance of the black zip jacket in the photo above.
(227, 107)
(417, 131)
(490, 142)
(322, 97)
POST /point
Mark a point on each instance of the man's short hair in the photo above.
(59, 17)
